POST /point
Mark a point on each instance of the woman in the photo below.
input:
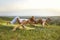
(43, 22)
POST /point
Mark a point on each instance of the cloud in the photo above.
(30, 7)
(16, 5)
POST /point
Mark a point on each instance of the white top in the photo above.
(22, 20)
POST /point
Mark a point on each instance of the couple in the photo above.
(31, 21)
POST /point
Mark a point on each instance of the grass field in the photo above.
(51, 32)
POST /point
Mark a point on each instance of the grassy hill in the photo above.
(51, 32)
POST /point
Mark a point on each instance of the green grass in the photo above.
(51, 32)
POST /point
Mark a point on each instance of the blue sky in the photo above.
(30, 7)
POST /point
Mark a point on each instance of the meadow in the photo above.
(50, 32)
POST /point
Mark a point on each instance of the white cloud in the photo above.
(31, 4)
(52, 7)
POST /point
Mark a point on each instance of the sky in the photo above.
(29, 7)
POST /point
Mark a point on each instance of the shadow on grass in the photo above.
(9, 28)
(38, 27)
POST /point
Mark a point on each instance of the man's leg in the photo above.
(23, 25)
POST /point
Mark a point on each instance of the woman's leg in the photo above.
(43, 24)
(16, 26)
(23, 23)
